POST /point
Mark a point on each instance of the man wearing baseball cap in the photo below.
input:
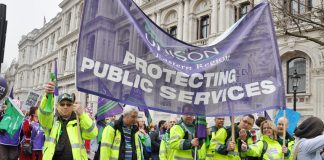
(66, 131)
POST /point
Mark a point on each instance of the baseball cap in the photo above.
(65, 96)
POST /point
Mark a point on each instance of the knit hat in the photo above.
(310, 128)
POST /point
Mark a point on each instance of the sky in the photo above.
(22, 17)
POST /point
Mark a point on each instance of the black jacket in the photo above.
(122, 150)
(155, 141)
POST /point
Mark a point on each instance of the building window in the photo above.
(67, 22)
(64, 60)
(298, 6)
(298, 64)
(242, 9)
(173, 31)
(203, 27)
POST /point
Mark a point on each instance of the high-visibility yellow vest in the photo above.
(52, 129)
(217, 141)
(177, 142)
(166, 152)
(273, 152)
(110, 144)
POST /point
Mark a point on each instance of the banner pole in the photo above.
(196, 119)
(284, 133)
(233, 128)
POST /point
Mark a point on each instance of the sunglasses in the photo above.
(66, 104)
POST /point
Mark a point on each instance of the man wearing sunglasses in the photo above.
(66, 131)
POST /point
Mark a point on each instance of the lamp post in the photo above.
(295, 80)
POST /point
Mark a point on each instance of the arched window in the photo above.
(173, 31)
(298, 64)
(204, 27)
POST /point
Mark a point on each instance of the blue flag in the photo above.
(242, 69)
(293, 119)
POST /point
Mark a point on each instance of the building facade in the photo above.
(197, 22)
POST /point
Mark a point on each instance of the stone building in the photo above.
(197, 22)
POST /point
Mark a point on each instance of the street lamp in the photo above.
(295, 80)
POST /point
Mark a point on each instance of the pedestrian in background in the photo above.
(310, 139)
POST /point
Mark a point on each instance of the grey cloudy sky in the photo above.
(23, 16)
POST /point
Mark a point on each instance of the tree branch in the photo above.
(306, 37)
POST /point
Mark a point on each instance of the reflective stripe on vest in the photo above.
(77, 145)
(218, 144)
(106, 145)
(174, 137)
(181, 158)
(210, 155)
(50, 139)
(233, 153)
(44, 113)
(90, 129)
(181, 144)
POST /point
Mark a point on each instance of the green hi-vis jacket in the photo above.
(217, 145)
(273, 152)
(52, 129)
(180, 142)
(111, 144)
(166, 153)
(236, 154)
(290, 142)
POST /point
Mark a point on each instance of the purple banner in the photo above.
(120, 47)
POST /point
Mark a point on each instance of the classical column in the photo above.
(158, 17)
(180, 20)
(186, 21)
(222, 15)
(213, 17)
(192, 30)
(229, 19)
(41, 76)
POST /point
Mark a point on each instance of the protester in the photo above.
(121, 141)
(258, 122)
(156, 137)
(289, 139)
(310, 139)
(38, 138)
(217, 135)
(166, 152)
(9, 145)
(242, 134)
(145, 138)
(2, 111)
(268, 148)
(182, 137)
(64, 138)
(26, 144)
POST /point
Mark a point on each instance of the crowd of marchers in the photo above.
(64, 131)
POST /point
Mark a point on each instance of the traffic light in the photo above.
(3, 30)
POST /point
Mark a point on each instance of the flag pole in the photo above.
(284, 132)
(195, 157)
(233, 127)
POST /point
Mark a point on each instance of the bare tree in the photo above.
(299, 18)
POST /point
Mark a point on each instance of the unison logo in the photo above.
(192, 57)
